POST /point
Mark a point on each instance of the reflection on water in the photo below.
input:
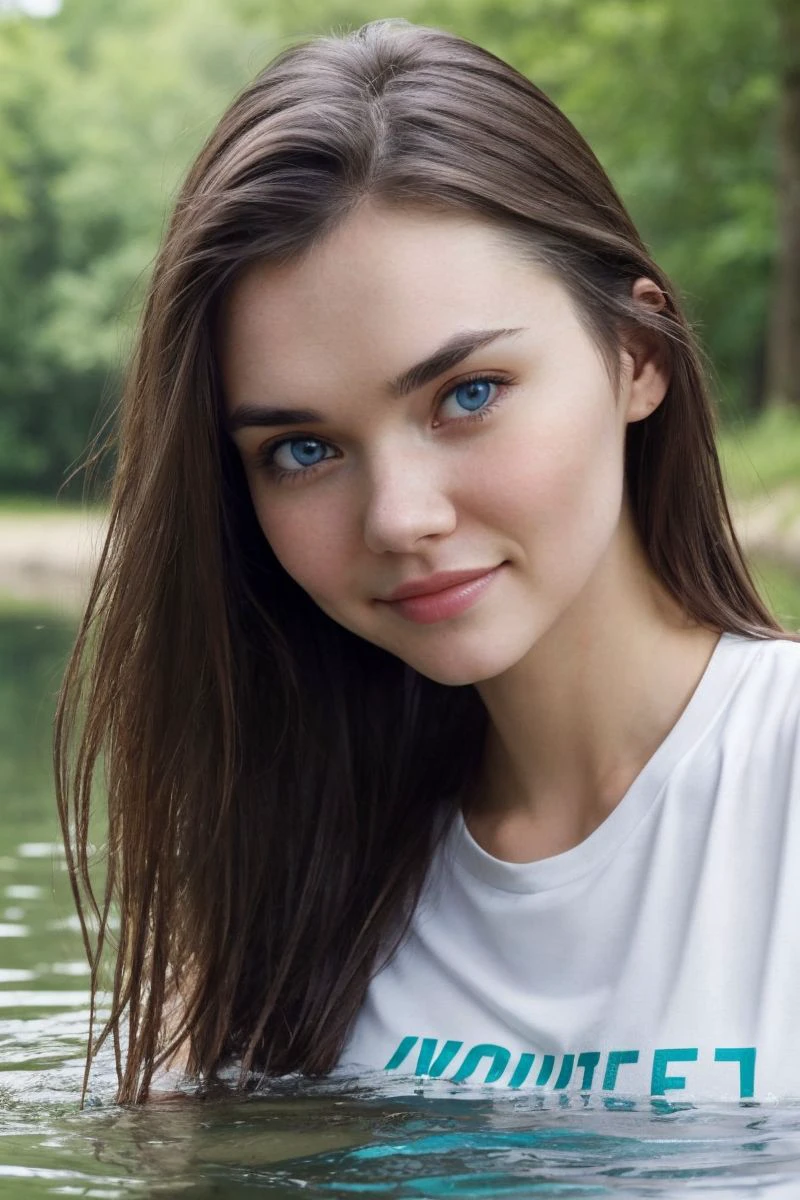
(296, 1138)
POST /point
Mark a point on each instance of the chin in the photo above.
(457, 669)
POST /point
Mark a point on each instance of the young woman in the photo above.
(444, 730)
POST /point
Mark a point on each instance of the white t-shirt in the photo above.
(659, 957)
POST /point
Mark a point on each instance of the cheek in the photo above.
(308, 537)
(555, 481)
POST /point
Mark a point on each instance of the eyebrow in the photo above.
(448, 355)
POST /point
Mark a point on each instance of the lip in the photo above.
(432, 584)
(446, 602)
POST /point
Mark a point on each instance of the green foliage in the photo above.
(763, 454)
(781, 591)
(103, 107)
(677, 99)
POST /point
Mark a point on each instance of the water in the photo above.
(351, 1138)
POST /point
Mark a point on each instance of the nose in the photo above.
(407, 500)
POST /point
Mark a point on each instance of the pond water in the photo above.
(318, 1140)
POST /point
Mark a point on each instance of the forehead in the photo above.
(384, 287)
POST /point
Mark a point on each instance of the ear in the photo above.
(645, 367)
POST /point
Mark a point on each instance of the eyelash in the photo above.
(265, 460)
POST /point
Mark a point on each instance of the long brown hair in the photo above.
(275, 785)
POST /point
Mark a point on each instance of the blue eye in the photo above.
(473, 393)
(474, 397)
(302, 452)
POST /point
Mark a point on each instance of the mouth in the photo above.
(434, 584)
(454, 593)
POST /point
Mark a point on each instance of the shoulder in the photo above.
(765, 660)
(746, 762)
(765, 701)
(775, 664)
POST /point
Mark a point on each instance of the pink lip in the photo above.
(464, 589)
(435, 583)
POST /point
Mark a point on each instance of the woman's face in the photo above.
(505, 461)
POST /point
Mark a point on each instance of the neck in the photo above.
(573, 723)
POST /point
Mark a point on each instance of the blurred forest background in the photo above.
(692, 108)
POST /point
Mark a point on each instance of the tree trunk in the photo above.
(783, 371)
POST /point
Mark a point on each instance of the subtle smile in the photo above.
(444, 595)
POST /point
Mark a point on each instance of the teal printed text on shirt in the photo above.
(587, 1070)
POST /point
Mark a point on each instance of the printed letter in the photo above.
(661, 1082)
(498, 1054)
(746, 1058)
(522, 1070)
(546, 1069)
(616, 1058)
(588, 1063)
(426, 1065)
(402, 1052)
(565, 1074)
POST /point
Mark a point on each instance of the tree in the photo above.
(103, 106)
(784, 343)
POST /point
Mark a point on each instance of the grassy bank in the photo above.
(13, 505)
